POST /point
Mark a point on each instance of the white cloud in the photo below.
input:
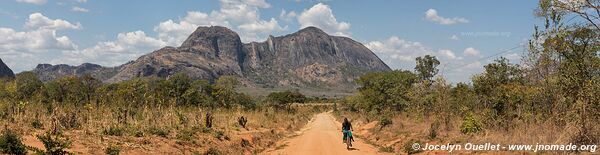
(287, 16)
(36, 2)
(126, 47)
(433, 16)
(474, 65)
(22, 50)
(257, 3)
(79, 9)
(244, 14)
(81, 1)
(470, 51)
(397, 52)
(454, 37)
(448, 54)
(39, 21)
(321, 16)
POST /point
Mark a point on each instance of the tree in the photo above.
(282, 100)
(384, 90)
(224, 90)
(566, 50)
(178, 85)
(426, 67)
(27, 84)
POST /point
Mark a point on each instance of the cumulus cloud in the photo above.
(448, 54)
(79, 9)
(36, 2)
(321, 16)
(126, 47)
(243, 14)
(21, 50)
(433, 16)
(287, 16)
(470, 51)
(39, 21)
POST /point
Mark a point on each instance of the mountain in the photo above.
(5, 72)
(48, 72)
(307, 58)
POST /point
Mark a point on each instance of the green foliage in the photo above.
(470, 125)
(384, 122)
(158, 132)
(408, 146)
(55, 143)
(383, 90)
(212, 151)
(10, 143)
(495, 85)
(282, 100)
(426, 67)
(112, 150)
(37, 124)
(113, 131)
(27, 84)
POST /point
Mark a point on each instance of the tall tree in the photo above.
(426, 67)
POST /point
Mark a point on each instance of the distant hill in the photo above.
(5, 72)
(47, 72)
(309, 58)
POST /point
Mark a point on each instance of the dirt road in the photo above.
(322, 136)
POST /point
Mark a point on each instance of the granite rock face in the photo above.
(5, 72)
(307, 58)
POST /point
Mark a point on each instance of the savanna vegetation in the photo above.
(146, 115)
(551, 97)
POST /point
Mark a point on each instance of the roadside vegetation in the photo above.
(148, 115)
(550, 98)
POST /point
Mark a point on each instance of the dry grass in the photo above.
(407, 128)
(156, 129)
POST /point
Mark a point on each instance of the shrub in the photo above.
(386, 149)
(470, 125)
(212, 151)
(55, 143)
(113, 131)
(37, 124)
(384, 122)
(409, 146)
(242, 121)
(112, 150)
(10, 143)
(433, 130)
(158, 132)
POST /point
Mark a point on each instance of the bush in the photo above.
(408, 146)
(158, 132)
(433, 130)
(470, 125)
(37, 124)
(112, 150)
(55, 143)
(282, 100)
(113, 131)
(10, 143)
(386, 149)
(384, 122)
(212, 151)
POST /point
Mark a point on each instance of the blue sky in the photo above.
(461, 33)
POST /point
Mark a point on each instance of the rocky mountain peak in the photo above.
(214, 41)
(5, 72)
(312, 30)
